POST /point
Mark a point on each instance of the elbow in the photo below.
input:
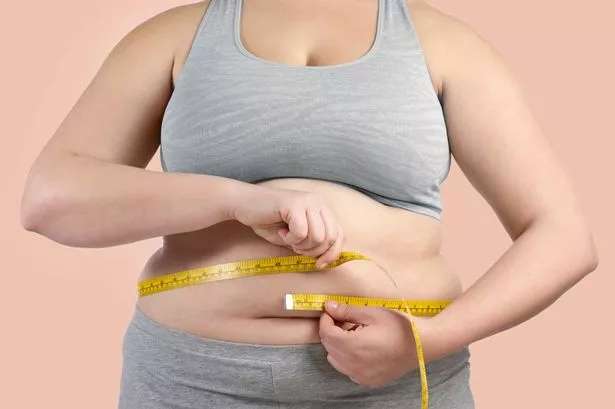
(28, 219)
(583, 250)
(38, 209)
(36, 201)
(590, 259)
(46, 217)
(44, 211)
(58, 212)
(33, 211)
(572, 240)
(53, 204)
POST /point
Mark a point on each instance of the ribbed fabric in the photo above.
(374, 124)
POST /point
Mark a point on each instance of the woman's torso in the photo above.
(406, 243)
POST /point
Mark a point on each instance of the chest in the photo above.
(308, 32)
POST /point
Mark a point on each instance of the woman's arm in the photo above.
(503, 153)
(87, 187)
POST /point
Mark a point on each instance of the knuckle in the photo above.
(330, 235)
(339, 239)
(344, 310)
(310, 253)
(318, 239)
(330, 250)
(299, 233)
(301, 250)
(316, 254)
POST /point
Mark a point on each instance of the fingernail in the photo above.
(333, 304)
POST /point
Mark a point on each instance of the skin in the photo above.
(113, 131)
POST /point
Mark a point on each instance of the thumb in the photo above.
(349, 313)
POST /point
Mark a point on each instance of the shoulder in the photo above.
(184, 17)
(450, 45)
(167, 35)
(183, 20)
(169, 25)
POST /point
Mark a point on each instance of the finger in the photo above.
(282, 232)
(331, 228)
(350, 326)
(338, 365)
(327, 330)
(332, 243)
(350, 313)
(316, 233)
(339, 351)
(331, 247)
(297, 228)
(333, 253)
(315, 252)
(329, 256)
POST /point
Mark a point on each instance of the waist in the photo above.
(252, 309)
(405, 262)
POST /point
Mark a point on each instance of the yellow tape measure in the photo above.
(308, 302)
(421, 308)
(239, 269)
(316, 302)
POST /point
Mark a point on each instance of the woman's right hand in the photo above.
(295, 219)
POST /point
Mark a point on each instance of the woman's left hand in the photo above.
(371, 345)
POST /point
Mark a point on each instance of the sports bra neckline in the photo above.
(237, 21)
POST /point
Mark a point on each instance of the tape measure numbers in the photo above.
(414, 308)
(316, 302)
(239, 269)
(308, 302)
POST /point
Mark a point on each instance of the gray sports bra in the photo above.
(374, 124)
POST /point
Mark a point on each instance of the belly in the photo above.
(406, 263)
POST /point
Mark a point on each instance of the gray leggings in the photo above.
(168, 369)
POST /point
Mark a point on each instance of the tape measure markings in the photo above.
(316, 302)
(312, 302)
(239, 269)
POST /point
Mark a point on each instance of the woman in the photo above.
(288, 128)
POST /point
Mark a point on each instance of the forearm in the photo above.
(87, 202)
(544, 262)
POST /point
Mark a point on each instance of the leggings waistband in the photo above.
(167, 368)
(258, 352)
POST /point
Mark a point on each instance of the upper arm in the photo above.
(118, 116)
(494, 138)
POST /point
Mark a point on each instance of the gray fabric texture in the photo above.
(374, 124)
(164, 368)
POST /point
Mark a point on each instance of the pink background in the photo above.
(64, 310)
